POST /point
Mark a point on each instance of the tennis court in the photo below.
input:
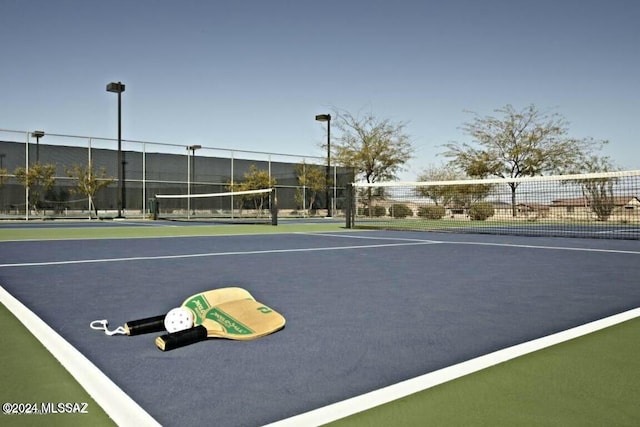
(365, 310)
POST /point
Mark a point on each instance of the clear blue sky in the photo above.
(253, 74)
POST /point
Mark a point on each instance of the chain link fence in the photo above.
(149, 168)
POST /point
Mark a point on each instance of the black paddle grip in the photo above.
(145, 326)
(181, 338)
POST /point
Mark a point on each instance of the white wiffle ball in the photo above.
(178, 319)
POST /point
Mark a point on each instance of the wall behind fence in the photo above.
(150, 168)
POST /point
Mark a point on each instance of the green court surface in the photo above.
(133, 231)
(30, 375)
(589, 381)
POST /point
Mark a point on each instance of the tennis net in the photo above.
(602, 205)
(251, 206)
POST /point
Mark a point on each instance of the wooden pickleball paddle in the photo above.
(198, 304)
(235, 320)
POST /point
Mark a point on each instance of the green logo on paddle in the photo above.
(199, 306)
(232, 326)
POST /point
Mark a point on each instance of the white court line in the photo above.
(351, 236)
(559, 248)
(115, 402)
(509, 245)
(393, 392)
(211, 254)
(407, 242)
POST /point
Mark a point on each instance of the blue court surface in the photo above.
(364, 309)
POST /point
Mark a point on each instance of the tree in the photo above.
(598, 192)
(37, 178)
(376, 149)
(313, 179)
(89, 182)
(254, 179)
(518, 144)
(457, 195)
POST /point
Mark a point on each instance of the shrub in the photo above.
(379, 211)
(375, 211)
(400, 210)
(431, 212)
(481, 211)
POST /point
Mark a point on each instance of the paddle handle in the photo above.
(145, 326)
(180, 339)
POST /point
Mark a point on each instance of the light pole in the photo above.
(327, 118)
(37, 134)
(119, 88)
(190, 171)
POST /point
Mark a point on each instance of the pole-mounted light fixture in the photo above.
(119, 88)
(37, 134)
(327, 118)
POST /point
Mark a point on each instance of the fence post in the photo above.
(349, 206)
(274, 207)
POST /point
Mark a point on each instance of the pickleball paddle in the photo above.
(197, 305)
(235, 320)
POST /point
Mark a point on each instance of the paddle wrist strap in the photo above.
(103, 325)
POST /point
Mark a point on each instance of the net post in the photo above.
(349, 206)
(274, 207)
